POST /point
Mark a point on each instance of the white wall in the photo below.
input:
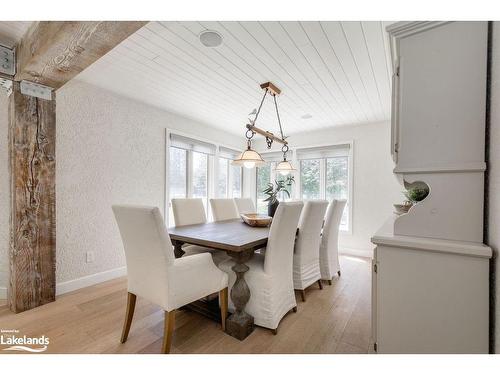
(375, 187)
(109, 150)
(4, 195)
(493, 220)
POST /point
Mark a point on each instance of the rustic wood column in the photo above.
(32, 136)
(50, 53)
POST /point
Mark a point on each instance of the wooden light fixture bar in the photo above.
(266, 134)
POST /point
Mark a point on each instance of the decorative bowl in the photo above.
(256, 220)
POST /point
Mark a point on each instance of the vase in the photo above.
(271, 208)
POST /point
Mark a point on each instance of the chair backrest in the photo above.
(245, 205)
(188, 211)
(279, 251)
(148, 250)
(334, 213)
(310, 224)
(224, 209)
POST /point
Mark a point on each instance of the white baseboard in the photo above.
(366, 253)
(96, 278)
(82, 282)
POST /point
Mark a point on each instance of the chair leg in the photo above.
(223, 307)
(129, 314)
(330, 282)
(320, 284)
(275, 331)
(338, 273)
(294, 309)
(169, 324)
(303, 294)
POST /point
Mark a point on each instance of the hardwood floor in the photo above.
(333, 320)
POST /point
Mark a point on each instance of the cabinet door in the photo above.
(395, 112)
(442, 97)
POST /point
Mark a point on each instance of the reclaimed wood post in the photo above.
(32, 256)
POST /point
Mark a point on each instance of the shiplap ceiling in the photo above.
(336, 73)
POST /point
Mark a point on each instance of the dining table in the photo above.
(239, 241)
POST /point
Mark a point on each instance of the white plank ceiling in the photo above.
(336, 73)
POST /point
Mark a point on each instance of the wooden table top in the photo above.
(230, 235)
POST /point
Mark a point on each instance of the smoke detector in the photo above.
(210, 38)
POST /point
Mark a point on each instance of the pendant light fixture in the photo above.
(251, 158)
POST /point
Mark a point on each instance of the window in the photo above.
(263, 178)
(337, 184)
(324, 174)
(266, 175)
(229, 177)
(310, 178)
(191, 172)
(235, 173)
(222, 178)
(177, 173)
(199, 177)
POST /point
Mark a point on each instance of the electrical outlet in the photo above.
(90, 257)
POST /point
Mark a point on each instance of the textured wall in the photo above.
(109, 150)
(493, 224)
(4, 194)
(375, 187)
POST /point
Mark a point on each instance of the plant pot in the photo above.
(271, 208)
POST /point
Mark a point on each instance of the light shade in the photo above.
(249, 159)
(285, 167)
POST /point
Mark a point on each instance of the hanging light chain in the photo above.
(278, 114)
(284, 150)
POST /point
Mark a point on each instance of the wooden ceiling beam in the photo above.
(53, 52)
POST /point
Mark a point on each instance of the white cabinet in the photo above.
(438, 124)
(439, 95)
(430, 291)
(430, 296)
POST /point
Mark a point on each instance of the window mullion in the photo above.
(229, 180)
(322, 178)
(189, 174)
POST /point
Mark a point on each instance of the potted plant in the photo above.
(413, 195)
(416, 194)
(273, 190)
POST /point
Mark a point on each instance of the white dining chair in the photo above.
(329, 249)
(154, 274)
(245, 205)
(306, 255)
(190, 211)
(224, 209)
(270, 276)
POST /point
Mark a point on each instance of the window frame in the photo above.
(229, 179)
(350, 174)
(212, 167)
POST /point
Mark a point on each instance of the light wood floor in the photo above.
(333, 320)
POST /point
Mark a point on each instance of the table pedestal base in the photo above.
(240, 324)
